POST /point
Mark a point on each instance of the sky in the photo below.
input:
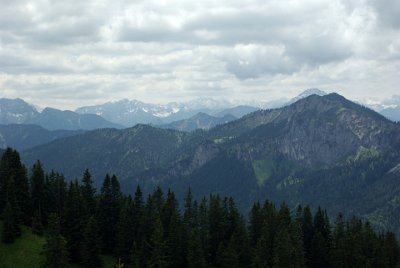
(67, 54)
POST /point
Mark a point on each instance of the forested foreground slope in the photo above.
(73, 225)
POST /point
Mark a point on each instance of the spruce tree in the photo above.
(173, 228)
(12, 167)
(124, 237)
(108, 212)
(74, 221)
(283, 250)
(88, 194)
(158, 257)
(91, 245)
(307, 230)
(54, 250)
(37, 181)
(11, 229)
(195, 254)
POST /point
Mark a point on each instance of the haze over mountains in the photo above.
(42, 126)
(130, 113)
(320, 150)
(17, 111)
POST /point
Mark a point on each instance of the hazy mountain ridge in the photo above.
(124, 152)
(390, 108)
(21, 137)
(132, 112)
(17, 111)
(199, 121)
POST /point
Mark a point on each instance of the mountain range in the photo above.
(127, 113)
(319, 150)
(21, 137)
(17, 111)
(390, 108)
(131, 112)
(199, 121)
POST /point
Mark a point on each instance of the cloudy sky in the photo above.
(72, 53)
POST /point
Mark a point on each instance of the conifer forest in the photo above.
(79, 224)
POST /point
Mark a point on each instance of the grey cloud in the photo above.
(319, 50)
(260, 61)
(155, 49)
(388, 11)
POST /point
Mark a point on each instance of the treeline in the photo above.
(153, 231)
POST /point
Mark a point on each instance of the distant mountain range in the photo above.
(132, 112)
(320, 150)
(127, 113)
(390, 108)
(199, 121)
(17, 111)
(22, 137)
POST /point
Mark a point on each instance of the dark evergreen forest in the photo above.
(80, 223)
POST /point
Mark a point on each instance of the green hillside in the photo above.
(24, 252)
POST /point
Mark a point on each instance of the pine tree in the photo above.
(91, 245)
(307, 230)
(260, 253)
(173, 228)
(283, 249)
(73, 221)
(190, 212)
(227, 256)
(38, 192)
(137, 231)
(12, 167)
(108, 212)
(11, 229)
(124, 237)
(195, 254)
(54, 250)
(256, 223)
(88, 194)
(392, 251)
(217, 223)
(158, 256)
(338, 252)
(55, 194)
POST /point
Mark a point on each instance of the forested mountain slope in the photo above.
(322, 150)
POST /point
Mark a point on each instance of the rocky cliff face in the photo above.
(314, 130)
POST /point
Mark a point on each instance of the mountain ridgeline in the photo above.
(17, 111)
(21, 137)
(320, 150)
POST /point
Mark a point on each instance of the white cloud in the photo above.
(71, 53)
